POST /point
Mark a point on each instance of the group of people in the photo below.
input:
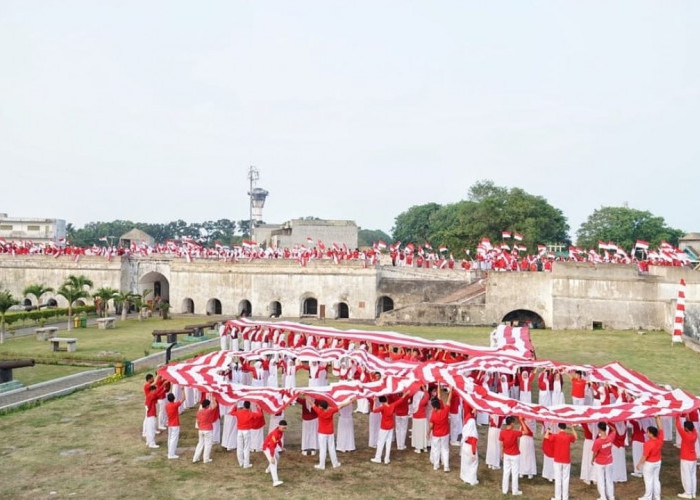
(437, 419)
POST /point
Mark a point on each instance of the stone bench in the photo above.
(198, 330)
(71, 344)
(46, 332)
(104, 323)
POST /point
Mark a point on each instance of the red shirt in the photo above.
(578, 388)
(244, 418)
(151, 399)
(441, 421)
(509, 438)
(387, 411)
(688, 439)
(206, 418)
(273, 440)
(325, 419)
(602, 449)
(562, 446)
(652, 448)
(422, 404)
(173, 412)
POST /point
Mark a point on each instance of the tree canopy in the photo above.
(624, 226)
(488, 211)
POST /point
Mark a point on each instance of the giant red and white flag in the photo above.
(680, 314)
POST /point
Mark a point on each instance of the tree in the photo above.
(72, 289)
(366, 237)
(624, 226)
(37, 289)
(6, 301)
(414, 225)
(125, 299)
(105, 293)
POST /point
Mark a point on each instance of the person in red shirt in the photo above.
(245, 418)
(154, 394)
(510, 454)
(650, 463)
(602, 460)
(562, 442)
(271, 448)
(578, 389)
(309, 427)
(326, 436)
(401, 421)
(386, 428)
(689, 457)
(440, 432)
(146, 388)
(172, 409)
(206, 415)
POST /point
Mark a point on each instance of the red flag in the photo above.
(505, 234)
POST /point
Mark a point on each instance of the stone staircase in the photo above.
(465, 295)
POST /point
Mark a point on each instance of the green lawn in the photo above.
(88, 444)
(41, 373)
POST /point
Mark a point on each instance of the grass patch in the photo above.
(89, 445)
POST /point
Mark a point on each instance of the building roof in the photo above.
(137, 235)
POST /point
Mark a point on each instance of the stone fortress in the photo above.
(572, 296)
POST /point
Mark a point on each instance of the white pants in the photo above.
(652, 485)
(204, 443)
(689, 477)
(162, 416)
(440, 452)
(243, 447)
(327, 441)
(384, 439)
(401, 425)
(562, 472)
(511, 467)
(469, 465)
(455, 428)
(173, 438)
(606, 489)
(272, 467)
(150, 431)
(374, 424)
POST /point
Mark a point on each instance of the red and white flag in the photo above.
(442, 248)
(680, 314)
(505, 234)
(642, 244)
(103, 238)
(518, 237)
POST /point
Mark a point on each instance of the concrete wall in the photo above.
(436, 314)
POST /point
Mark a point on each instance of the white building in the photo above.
(298, 231)
(32, 229)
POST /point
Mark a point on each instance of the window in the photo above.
(5, 227)
(33, 228)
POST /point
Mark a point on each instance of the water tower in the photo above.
(257, 199)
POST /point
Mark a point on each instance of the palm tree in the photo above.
(6, 301)
(37, 289)
(105, 293)
(73, 289)
(126, 299)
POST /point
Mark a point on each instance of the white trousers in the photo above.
(243, 447)
(455, 427)
(204, 444)
(401, 425)
(173, 438)
(469, 465)
(562, 473)
(511, 468)
(689, 477)
(272, 467)
(587, 473)
(150, 431)
(327, 442)
(652, 485)
(606, 488)
(384, 438)
(440, 452)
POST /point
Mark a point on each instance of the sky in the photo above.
(154, 111)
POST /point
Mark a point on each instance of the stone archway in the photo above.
(245, 308)
(524, 317)
(384, 304)
(188, 306)
(309, 306)
(275, 309)
(342, 311)
(51, 303)
(213, 307)
(159, 286)
(27, 303)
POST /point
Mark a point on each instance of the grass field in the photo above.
(89, 445)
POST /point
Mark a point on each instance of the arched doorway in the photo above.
(342, 311)
(27, 303)
(245, 308)
(384, 304)
(188, 306)
(51, 303)
(159, 286)
(213, 307)
(524, 317)
(275, 309)
(309, 307)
